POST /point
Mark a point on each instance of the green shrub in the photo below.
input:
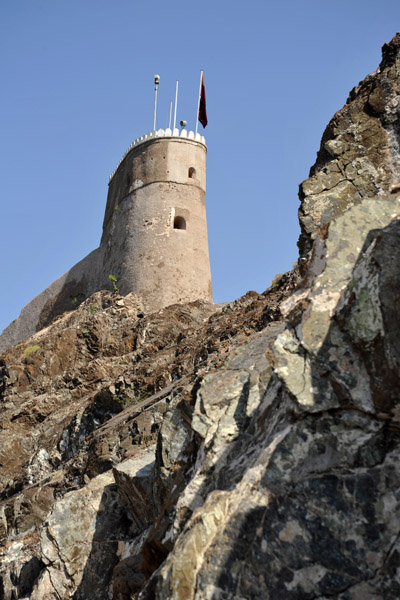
(114, 281)
(92, 308)
(30, 350)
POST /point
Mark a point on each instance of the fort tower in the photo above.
(155, 229)
(154, 240)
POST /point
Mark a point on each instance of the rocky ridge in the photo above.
(249, 450)
(359, 156)
(88, 394)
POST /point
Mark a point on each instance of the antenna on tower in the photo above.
(156, 82)
(176, 103)
(198, 102)
(170, 113)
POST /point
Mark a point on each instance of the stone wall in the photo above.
(64, 294)
(154, 185)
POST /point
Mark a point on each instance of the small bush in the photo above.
(276, 280)
(30, 350)
(92, 308)
(76, 300)
(114, 281)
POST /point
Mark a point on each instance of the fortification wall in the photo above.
(154, 235)
(64, 294)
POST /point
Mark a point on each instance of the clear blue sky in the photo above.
(77, 88)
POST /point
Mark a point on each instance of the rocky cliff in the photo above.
(243, 451)
(359, 156)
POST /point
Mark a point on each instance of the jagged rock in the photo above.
(80, 542)
(360, 153)
(300, 499)
(83, 395)
(132, 478)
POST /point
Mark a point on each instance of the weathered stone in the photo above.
(301, 500)
(133, 478)
(154, 240)
(84, 395)
(79, 541)
(81, 538)
(359, 155)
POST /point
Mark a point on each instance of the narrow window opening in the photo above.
(179, 223)
(192, 173)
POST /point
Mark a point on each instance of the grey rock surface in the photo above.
(82, 404)
(359, 155)
(298, 498)
(82, 538)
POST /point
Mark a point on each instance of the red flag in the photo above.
(202, 105)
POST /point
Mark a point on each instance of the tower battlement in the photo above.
(154, 241)
(161, 133)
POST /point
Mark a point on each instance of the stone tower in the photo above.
(155, 229)
(154, 238)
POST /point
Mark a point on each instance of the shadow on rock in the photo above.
(110, 523)
(330, 527)
(124, 512)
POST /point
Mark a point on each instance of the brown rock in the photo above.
(359, 153)
(85, 394)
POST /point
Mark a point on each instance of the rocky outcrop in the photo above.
(80, 403)
(294, 492)
(359, 155)
(248, 450)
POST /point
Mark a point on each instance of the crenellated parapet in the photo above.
(161, 133)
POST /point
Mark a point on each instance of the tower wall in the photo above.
(158, 187)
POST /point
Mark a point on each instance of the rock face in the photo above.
(244, 451)
(82, 404)
(294, 494)
(359, 155)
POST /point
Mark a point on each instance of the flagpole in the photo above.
(156, 82)
(170, 113)
(198, 103)
(176, 103)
